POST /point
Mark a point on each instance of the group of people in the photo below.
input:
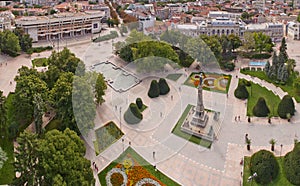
(237, 118)
(95, 167)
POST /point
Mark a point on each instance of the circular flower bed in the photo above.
(116, 173)
(221, 83)
(209, 82)
(147, 181)
(116, 179)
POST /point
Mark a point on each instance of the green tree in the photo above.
(154, 89)
(3, 157)
(241, 92)
(282, 50)
(291, 64)
(261, 109)
(286, 106)
(235, 41)
(263, 43)
(24, 39)
(39, 108)
(171, 36)
(292, 165)
(264, 164)
(267, 68)
(136, 37)
(84, 109)
(249, 42)
(27, 87)
(61, 156)
(27, 160)
(126, 53)
(9, 43)
(163, 86)
(139, 103)
(100, 88)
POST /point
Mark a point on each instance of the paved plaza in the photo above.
(187, 163)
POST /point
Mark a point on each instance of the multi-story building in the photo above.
(218, 26)
(61, 25)
(217, 14)
(274, 30)
(294, 30)
(6, 19)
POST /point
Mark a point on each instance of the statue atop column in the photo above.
(200, 118)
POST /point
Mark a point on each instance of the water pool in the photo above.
(257, 63)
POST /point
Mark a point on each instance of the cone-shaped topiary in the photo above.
(264, 164)
(163, 86)
(133, 114)
(261, 109)
(139, 103)
(154, 89)
(292, 165)
(241, 92)
(286, 106)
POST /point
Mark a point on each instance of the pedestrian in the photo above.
(227, 95)
(246, 138)
(6, 64)
(96, 168)
(235, 118)
(116, 107)
(93, 163)
(172, 97)
(129, 143)
(153, 154)
(160, 114)
(10, 83)
(236, 76)
(239, 118)
(179, 89)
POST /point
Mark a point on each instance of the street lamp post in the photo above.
(280, 150)
(120, 118)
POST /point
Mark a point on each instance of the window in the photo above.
(95, 25)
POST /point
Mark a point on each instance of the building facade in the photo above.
(61, 25)
(293, 30)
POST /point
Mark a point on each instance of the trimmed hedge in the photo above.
(154, 89)
(112, 35)
(265, 165)
(163, 87)
(241, 92)
(133, 114)
(139, 103)
(261, 109)
(286, 106)
(292, 165)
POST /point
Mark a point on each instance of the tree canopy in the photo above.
(292, 165)
(286, 106)
(261, 109)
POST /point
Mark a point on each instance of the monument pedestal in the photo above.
(199, 119)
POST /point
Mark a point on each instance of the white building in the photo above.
(217, 14)
(274, 30)
(61, 25)
(293, 30)
(6, 18)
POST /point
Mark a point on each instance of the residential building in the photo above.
(6, 19)
(294, 30)
(61, 26)
(274, 30)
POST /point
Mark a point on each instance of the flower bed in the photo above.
(211, 81)
(132, 169)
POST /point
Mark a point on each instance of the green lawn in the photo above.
(107, 135)
(7, 172)
(174, 77)
(288, 87)
(258, 91)
(279, 181)
(176, 130)
(39, 62)
(143, 165)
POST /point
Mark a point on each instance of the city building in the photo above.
(6, 19)
(293, 30)
(274, 30)
(61, 26)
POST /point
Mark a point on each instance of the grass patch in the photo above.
(216, 80)
(53, 124)
(112, 35)
(255, 92)
(107, 135)
(174, 77)
(40, 62)
(280, 180)
(288, 87)
(176, 130)
(140, 169)
(96, 147)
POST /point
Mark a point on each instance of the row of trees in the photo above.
(64, 88)
(286, 107)
(282, 67)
